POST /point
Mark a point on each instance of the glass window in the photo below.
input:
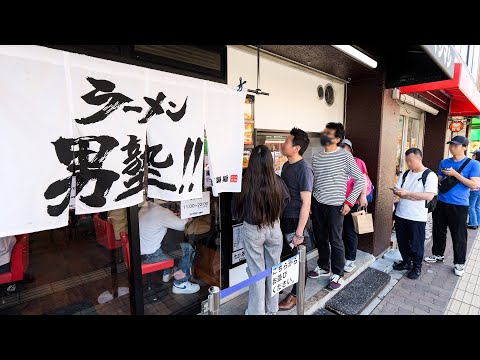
(180, 251)
(75, 270)
(399, 145)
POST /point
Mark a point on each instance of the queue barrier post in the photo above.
(213, 300)
(302, 251)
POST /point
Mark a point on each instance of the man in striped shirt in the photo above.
(332, 166)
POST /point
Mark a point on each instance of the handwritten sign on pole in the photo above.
(285, 274)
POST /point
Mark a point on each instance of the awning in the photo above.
(463, 93)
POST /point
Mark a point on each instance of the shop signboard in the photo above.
(285, 274)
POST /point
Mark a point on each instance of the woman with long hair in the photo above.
(474, 201)
(259, 206)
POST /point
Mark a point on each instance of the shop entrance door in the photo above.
(411, 126)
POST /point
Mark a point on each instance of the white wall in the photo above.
(293, 99)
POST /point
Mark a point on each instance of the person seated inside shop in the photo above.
(6, 246)
(154, 221)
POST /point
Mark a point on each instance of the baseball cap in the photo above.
(347, 142)
(459, 140)
(475, 151)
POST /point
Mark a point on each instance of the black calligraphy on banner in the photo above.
(157, 109)
(134, 162)
(111, 100)
(154, 168)
(86, 169)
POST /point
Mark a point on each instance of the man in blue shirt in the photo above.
(452, 207)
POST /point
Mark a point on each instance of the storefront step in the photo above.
(316, 295)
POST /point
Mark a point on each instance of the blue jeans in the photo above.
(474, 209)
(184, 263)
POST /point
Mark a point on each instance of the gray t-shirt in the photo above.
(298, 177)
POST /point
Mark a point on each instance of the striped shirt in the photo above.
(331, 173)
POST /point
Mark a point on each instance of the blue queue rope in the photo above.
(228, 291)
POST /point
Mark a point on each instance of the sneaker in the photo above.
(414, 274)
(402, 266)
(318, 272)
(434, 259)
(168, 274)
(336, 282)
(246, 311)
(459, 269)
(349, 266)
(288, 303)
(472, 227)
(185, 287)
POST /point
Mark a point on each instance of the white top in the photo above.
(6, 245)
(415, 210)
(154, 220)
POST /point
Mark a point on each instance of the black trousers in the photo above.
(411, 240)
(455, 218)
(288, 226)
(350, 238)
(327, 227)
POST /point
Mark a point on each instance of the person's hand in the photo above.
(450, 172)
(296, 240)
(396, 199)
(346, 209)
(400, 192)
(362, 201)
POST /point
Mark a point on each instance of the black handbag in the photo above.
(449, 182)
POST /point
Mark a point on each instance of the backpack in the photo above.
(430, 205)
(370, 195)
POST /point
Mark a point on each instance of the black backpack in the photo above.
(430, 205)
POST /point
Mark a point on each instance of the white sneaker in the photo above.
(434, 259)
(185, 288)
(459, 269)
(318, 272)
(167, 276)
(349, 266)
(336, 282)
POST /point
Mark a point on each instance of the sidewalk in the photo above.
(316, 294)
(431, 294)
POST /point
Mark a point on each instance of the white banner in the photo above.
(225, 105)
(109, 116)
(34, 114)
(64, 114)
(175, 137)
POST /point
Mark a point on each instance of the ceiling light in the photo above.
(357, 55)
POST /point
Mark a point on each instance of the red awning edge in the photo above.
(464, 95)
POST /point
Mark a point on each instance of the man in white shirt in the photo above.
(415, 188)
(6, 246)
(154, 221)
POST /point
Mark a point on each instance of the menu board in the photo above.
(278, 161)
(248, 134)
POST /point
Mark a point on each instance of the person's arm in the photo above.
(304, 214)
(472, 182)
(354, 171)
(172, 221)
(414, 196)
(431, 187)
(362, 200)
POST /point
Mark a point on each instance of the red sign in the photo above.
(456, 126)
(233, 178)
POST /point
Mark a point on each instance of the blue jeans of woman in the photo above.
(184, 264)
(474, 208)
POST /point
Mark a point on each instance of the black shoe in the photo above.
(472, 227)
(414, 274)
(403, 266)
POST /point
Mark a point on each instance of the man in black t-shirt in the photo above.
(298, 176)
